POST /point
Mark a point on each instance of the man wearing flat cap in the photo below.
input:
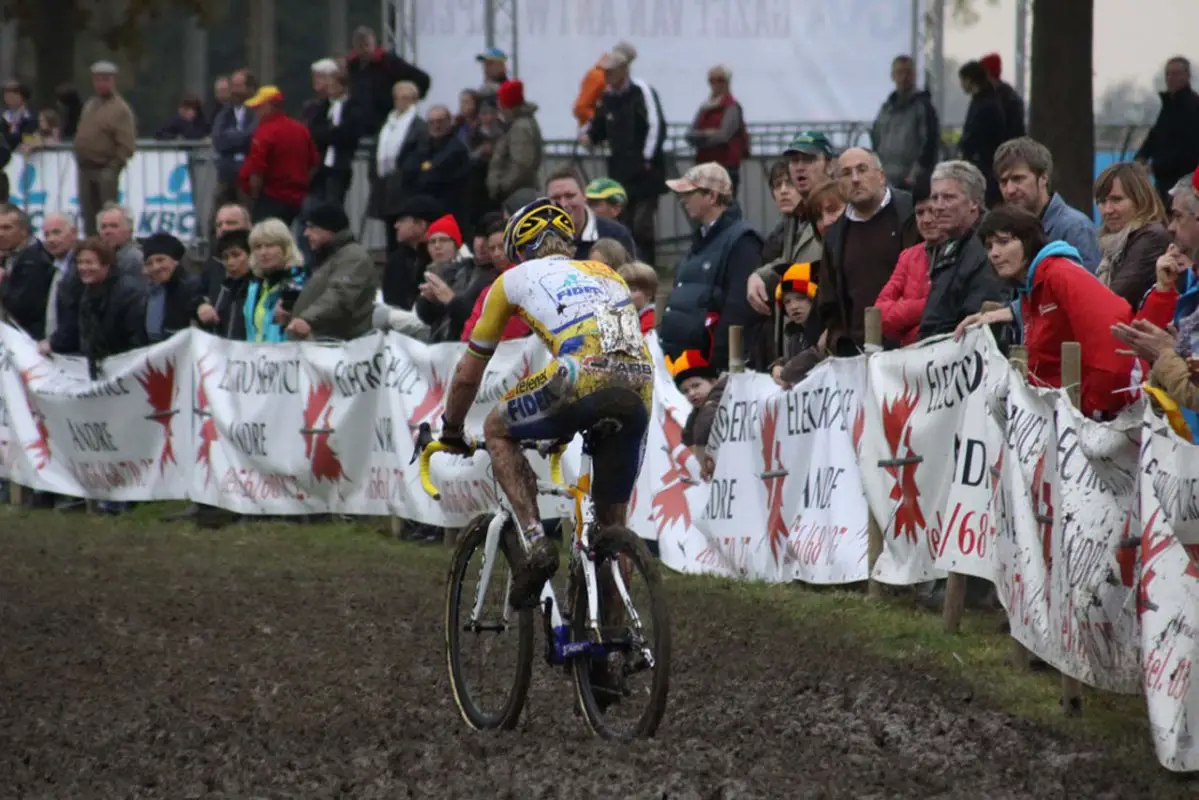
(174, 295)
(338, 299)
(104, 143)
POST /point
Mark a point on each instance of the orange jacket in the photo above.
(590, 91)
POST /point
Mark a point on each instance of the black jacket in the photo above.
(983, 131)
(184, 295)
(1172, 145)
(403, 276)
(1013, 110)
(371, 77)
(961, 279)
(632, 123)
(709, 290)
(446, 320)
(437, 168)
(180, 128)
(112, 320)
(25, 291)
(230, 305)
(606, 229)
(343, 137)
(25, 125)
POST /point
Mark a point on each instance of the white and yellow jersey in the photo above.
(575, 307)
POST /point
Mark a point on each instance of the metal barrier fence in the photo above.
(171, 186)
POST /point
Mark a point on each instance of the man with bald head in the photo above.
(59, 237)
(436, 165)
(861, 248)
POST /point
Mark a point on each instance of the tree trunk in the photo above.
(1062, 113)
(53, 35)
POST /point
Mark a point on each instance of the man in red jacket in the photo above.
(281, 162)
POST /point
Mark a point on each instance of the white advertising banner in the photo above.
(912, 451)
(677, 41)
(1167, 591)
(156, 185)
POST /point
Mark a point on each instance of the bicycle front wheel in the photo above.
(489, 653)
(622, 685)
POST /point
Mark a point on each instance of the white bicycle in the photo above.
(617, 650)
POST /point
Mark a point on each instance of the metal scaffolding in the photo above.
(399, 28)
(499, 22)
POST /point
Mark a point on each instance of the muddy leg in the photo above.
(512, 471)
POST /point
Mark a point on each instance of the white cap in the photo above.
(104, 68)
(326, 66)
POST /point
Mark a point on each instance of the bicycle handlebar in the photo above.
(429, 447)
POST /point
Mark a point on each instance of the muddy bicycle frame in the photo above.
(559, 646)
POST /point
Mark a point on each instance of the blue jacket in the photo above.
(271, 330)
(231, 143)
(1064, 222)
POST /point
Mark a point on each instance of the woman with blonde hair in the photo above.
(1133, 234)
(278, 276)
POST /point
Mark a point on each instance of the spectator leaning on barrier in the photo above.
(104, 143)
(175, 295)
(112, 310)
(1012, 103)
(564, 187)
(452, 285)
(60, 237)
(709, 289)
(402, 129)
(960, 276)
(437, 164)
(232, 130)
(1172, 146)
(906, 133)
(985, 126)
(1133, 234)
(606, 198)
(373, 72)
(1024, 169)
(809, 157)
(282, 159)
(517, 157)
(26, 273)
(225, 315)
(278, 275)
(860, 249)
(718, 132)
(1060, 302)
(901, 302)
(406, 265)
(188, 123)
(338, 299)
(337, 123)
(629, 118)
(115, 224)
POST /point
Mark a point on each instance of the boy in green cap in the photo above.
(606, 198)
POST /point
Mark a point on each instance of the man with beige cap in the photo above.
(709, 288)
(592, 86)
(104, 143)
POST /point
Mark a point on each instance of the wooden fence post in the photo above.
(736, 351)
(1018, 357)
(955, 583)
(874, 533)
(1072, 383)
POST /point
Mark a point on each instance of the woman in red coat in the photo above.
(1060, 301)
(901, 302)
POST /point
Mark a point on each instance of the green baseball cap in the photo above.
(606, 189)
(813, 142)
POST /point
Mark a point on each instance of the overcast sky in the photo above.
(1167, 27)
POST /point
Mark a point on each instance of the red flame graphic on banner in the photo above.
(909, 518)
(159, 386)
(859, 426)
(772, 460)
(1042, 505)
(669, 503)
(1151, 547)
(429, 406)
(39, 447)
(1126, 558)
(208, 429)
(316, 433)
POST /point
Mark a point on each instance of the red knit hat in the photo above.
(1195, 180)
(993, 64)
(448, 226)
(511, 94)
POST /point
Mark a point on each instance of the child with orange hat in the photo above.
(796, 293)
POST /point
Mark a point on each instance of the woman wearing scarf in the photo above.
(1133, 234)
(278, 276)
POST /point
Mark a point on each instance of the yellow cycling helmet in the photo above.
(527, 228)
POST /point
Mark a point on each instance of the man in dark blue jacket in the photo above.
(232, 130)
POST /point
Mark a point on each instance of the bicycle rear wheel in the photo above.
(493, 695)
(623, 690)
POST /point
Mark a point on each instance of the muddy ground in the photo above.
(147, 660)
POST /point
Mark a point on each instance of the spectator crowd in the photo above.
(936, 244)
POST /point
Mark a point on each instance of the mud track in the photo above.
(156, 661)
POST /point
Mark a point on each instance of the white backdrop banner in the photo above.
(155, 185)
(676, 41)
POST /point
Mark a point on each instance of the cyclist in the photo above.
(602, 370)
